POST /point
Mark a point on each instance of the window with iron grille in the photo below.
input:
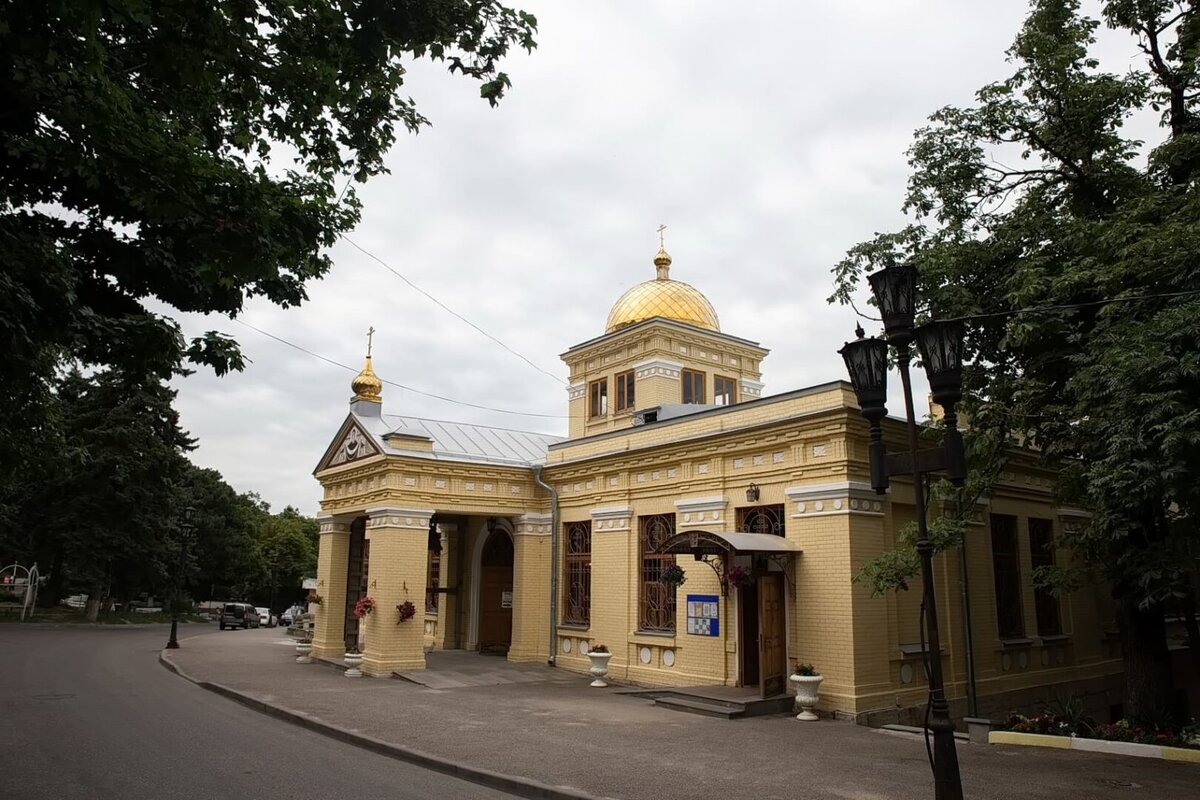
(433, 580)
(598, 398)
(724, 391)
(761, 519)
(693, 387)
(657, 599)
(577, 591)
(1041, 554)
(1007, 574)
(625, 391)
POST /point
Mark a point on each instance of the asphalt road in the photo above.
(90, 713)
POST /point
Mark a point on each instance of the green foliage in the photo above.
(193, 155)
(1034, 198)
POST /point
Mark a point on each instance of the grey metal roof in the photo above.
(460, 441)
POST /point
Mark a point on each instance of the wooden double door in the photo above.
(763, 631)
(496, 594)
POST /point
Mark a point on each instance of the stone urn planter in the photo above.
(808, 683)
(303, 652)
(599, 670)
(353, 661)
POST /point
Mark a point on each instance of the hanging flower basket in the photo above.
(316, 599)
(738, 576)
(364, 606)
(407, 611)
(673, 575)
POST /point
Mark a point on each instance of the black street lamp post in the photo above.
(185, 532)
(940, 343)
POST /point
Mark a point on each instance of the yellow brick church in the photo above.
(538, 547)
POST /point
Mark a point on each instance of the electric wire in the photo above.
(447, 308)
(1042, 309)
(405, 387)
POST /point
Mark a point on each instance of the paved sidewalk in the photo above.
(560, 732)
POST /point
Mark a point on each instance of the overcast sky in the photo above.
(768, 136)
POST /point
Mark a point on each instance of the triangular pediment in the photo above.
(352, 443)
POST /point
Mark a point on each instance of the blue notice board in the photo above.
(703, 615)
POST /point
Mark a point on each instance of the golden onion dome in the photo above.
(366, 385)
(663, 297)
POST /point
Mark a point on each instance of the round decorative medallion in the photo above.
(800, 507)
(875, 506)
(1060, 655)
(644, 655)
(1045, 657)
(668, 658)
(1006, 662)
(1023, 659)
(837, 505)
(853, 504)
(566, 645)
(818, 506)
(906, 673)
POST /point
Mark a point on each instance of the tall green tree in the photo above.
(1034, 211)
(194, 154)
(113, 499)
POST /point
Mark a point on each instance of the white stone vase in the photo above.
(807, 688)
(353, 661)
(304, 652)
(599, 668)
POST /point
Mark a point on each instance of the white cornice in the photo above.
(657, 366)
(611, 512)
(820, 491)
(693, 504)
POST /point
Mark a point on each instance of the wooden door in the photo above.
(772, 654)
(496, 594)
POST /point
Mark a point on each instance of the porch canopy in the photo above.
(719, 543)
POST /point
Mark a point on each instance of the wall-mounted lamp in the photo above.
(752, 493)
(491, 524)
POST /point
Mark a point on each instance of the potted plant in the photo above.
(315, 599)
(808, 682)
(353, 660)
(673, 575)
(364, 606)
(599, 656)
(407, 611)
(304, 650)
(738, 576)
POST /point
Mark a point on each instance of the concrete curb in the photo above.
(521, 787)
(1181, 754)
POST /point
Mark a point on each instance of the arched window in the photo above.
(657, 599)
(577, 591)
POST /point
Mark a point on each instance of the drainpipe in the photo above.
(553, 633)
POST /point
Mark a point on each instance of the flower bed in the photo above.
(1050, 724)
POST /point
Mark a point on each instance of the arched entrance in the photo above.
(496, 593)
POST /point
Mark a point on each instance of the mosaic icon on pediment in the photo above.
(353, 446)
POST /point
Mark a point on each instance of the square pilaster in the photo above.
(399, 566)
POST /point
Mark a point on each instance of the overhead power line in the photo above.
(1042, 309)
(446, 308)
(412, 389)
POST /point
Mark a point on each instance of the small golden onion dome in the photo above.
(663, 297)
(366, 385)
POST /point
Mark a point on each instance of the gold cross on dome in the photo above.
(370, 333)
(661, 228)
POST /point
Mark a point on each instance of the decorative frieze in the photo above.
(828, 499)
(657, 367)
(750, 388)
(611, 518)
(407, 518)
(576, 391)
(701, 509)
(333, 525)
(534, 524)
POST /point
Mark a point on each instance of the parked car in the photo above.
(265, 617)
(238, 615)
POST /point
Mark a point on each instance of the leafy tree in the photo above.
(194, 154)
(113, 495)
(1035, 198)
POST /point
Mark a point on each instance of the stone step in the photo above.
(696, 705)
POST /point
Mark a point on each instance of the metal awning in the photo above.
(700, 542)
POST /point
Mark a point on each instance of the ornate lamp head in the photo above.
(866, 361)
(941, 346)
(895, 290)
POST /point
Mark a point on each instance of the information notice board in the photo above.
(703, 615)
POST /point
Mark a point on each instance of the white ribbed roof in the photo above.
(460, 441)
